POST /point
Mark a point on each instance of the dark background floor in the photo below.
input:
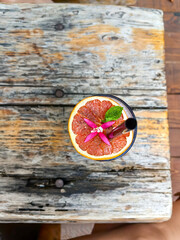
(19, 231)
(172, 53)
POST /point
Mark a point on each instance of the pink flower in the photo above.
(98, 130)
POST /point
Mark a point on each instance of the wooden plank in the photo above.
(172, 46)
(37, 137)
(36, 150)
(129, 191)
(172, 21)
(175, 174)
(174, 142)
(112, 45)
(112, 2)
(136, 98)
(172, 34)
(72, 48)
(165, 5)
(174, 111)
(173, 77)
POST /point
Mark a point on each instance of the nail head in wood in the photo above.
(59, 183)
(59, 93)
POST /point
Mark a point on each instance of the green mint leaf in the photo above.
(113, 113)
(103, 121)
(109, 119)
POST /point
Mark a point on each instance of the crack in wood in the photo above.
(66, 105)
(31, 209)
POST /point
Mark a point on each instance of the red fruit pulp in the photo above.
(95, 110)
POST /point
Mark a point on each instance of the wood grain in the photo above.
(114, 54)
(172, 46)
(34, 135)
(165, 5)
(174, 142)
(172, 26)
(172, 21)
(172, 29)
(174, 110)
(175, 171)
(22, 201)
(114, 50)
(38, 137)
(173, 77)
(136, 98)
(112, 2)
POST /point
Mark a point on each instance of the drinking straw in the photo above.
(124, 127)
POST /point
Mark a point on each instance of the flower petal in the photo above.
(107, 124)
(90, 136)
(104, 138)
(91, 124)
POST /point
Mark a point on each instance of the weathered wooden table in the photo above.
(52, 56)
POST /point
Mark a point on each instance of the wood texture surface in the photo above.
(173, 76)
(114, 54)
(174, 138)
(136, 98)
(111, 2)
(172, 46)
(114, 50)
(175, 171)
(130, 196)
(165, 5)
(39, 136)
(174, 110)
(172, 52)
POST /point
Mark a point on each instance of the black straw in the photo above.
(123, 128)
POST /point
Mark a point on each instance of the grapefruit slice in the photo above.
(94, 109)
